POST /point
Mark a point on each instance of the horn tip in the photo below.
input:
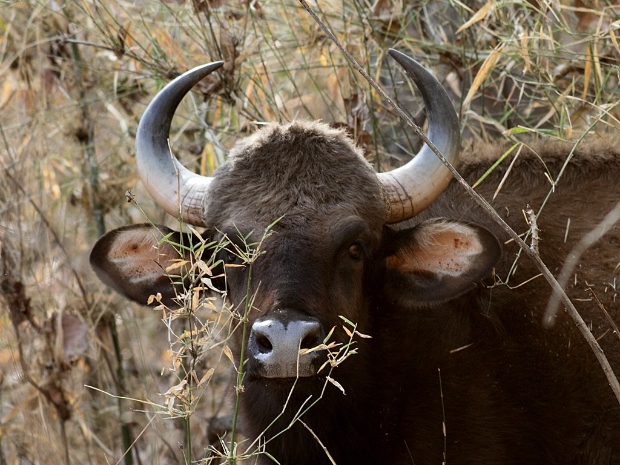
(403, 59)
(208, 67)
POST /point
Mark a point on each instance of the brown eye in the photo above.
(356, 251)
(230, 258)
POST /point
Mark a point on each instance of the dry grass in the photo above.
(76, 78)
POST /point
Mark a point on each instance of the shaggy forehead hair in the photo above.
(296, 169)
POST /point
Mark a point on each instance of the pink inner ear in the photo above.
(445, 249)
(139, 257)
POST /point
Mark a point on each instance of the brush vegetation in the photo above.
(86, 377)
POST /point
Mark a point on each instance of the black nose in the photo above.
(275, 342)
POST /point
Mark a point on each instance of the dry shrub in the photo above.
(76, 77)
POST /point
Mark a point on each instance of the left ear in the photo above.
(133, 260)
(438, 260)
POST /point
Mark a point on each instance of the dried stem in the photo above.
(611, 321)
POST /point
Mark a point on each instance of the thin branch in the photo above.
(611, 321)
(331, 459)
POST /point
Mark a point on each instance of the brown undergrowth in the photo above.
(76, 77)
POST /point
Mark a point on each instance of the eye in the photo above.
(230, 258)
(356, 251)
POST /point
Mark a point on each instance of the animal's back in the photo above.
(549, 376)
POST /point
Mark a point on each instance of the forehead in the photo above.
(304, 171)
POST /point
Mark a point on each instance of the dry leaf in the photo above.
(525, 52)
(178, 391)
(204, 268)
(206, 377)
(228, 45)
(612, 35)
(363, 336)
(587, 73)
(195, 298)
(313, 349)
(479, 15)
(154, 298)
(482, 74)
(9, 86)
(176, 265)
(74, 341)
(229, 354)
(196, 233)
(336, 383)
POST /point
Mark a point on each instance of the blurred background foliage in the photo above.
(77, 75)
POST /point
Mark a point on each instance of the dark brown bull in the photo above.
(450, 342)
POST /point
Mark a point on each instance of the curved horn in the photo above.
(414, 186)
(173, 187)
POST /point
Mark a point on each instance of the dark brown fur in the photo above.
(474, 357)
(550, 379)
(277, 173)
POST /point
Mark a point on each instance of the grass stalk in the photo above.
(240, 373)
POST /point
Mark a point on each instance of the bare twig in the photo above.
(531, 220)
(611, 321)
(316, 438)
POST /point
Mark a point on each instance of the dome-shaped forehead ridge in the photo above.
(286, 169)
(299, 146)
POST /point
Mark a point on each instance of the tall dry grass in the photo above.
(76, 77)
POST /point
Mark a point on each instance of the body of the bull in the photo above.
(540, 390)
(480, 367)
(459, 368)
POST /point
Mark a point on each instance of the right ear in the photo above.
(438, 260)
(133, 260)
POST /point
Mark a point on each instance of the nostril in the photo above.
(310, 341)
(263, 344)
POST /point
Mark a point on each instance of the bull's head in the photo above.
(331, 252)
